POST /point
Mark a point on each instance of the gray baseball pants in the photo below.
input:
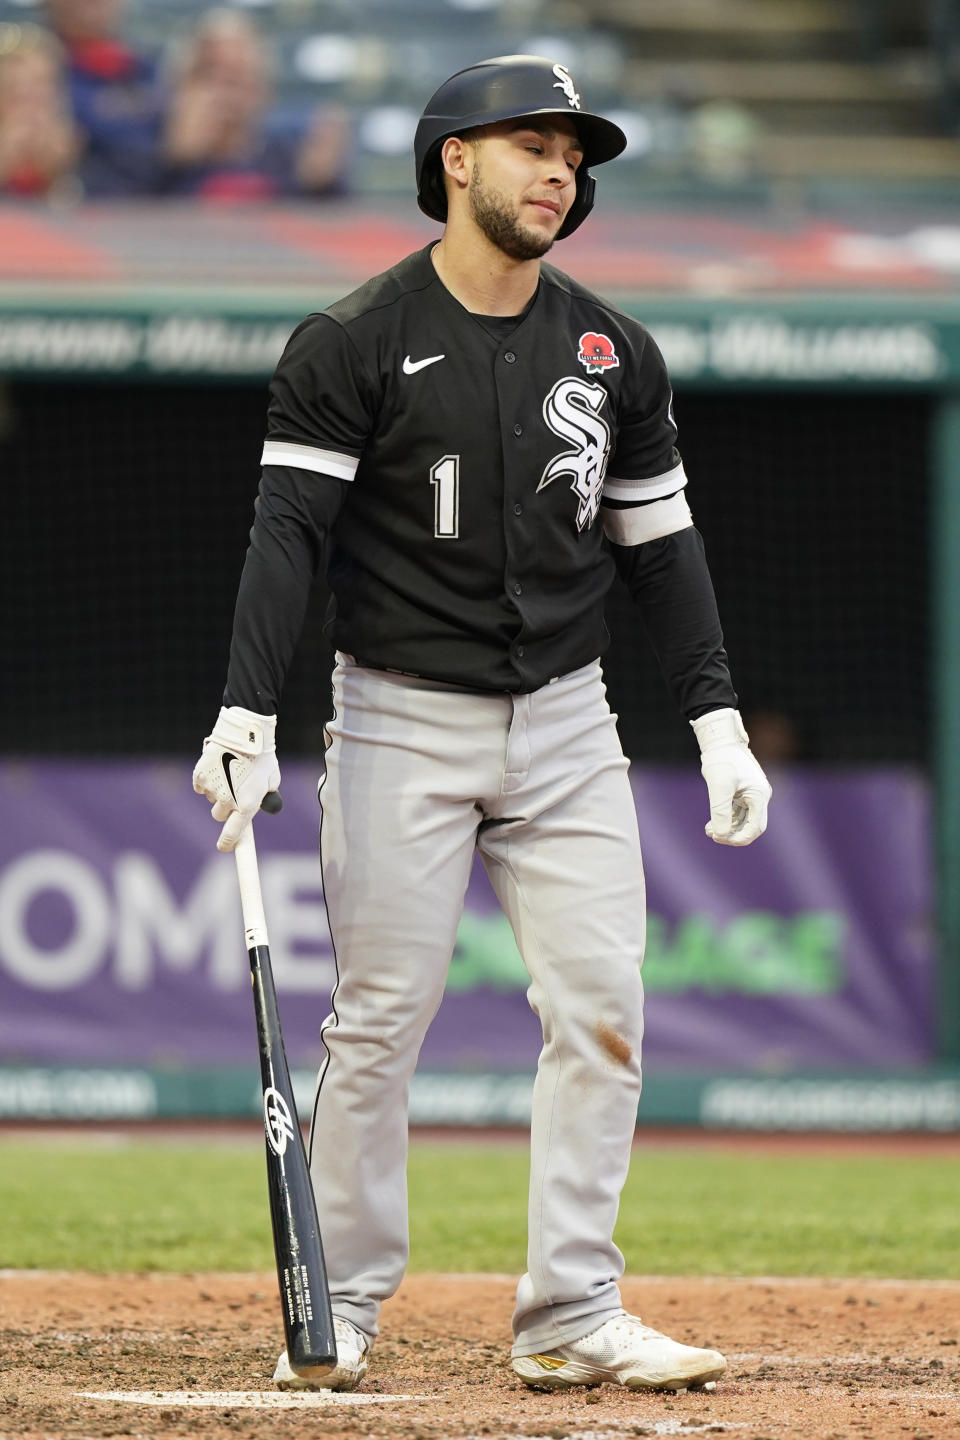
(419, 775)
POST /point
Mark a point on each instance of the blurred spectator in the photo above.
(115, 96)
(39, 144)
(225, 140)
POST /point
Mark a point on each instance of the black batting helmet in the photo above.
(508, 88)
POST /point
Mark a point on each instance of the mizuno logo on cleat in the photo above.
(548, 1362)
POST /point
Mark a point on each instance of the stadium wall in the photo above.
(823, 438)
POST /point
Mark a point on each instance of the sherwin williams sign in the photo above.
(746, 346)
(121, 940)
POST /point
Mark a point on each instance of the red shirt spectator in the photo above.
(115, 96)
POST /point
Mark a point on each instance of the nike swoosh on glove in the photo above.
(739, 791)
(237, 769)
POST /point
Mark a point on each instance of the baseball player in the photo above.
(477, 443)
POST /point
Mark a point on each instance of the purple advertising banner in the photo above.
(121, 939)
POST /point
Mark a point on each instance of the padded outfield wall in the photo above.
(811, 982)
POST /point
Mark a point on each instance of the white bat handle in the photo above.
(251, 901)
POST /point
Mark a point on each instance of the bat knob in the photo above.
(272, 802)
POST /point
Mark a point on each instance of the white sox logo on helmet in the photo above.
(565, 83)
(572, 410)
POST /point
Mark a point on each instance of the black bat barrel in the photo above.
(301, 1270)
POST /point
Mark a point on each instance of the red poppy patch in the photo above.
(596, 353)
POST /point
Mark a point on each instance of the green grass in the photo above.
(158, 1205)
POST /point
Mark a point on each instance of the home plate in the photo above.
(246, 1399)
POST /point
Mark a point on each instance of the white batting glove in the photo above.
(237, 769)
(738, 789)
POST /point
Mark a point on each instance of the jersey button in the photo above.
(518, 588)
(518, 509)
(510, 357)
(520, 652)
(518, 429)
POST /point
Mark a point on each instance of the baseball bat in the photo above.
(301, 1270)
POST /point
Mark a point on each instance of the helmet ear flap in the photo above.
(582, 205)
(432, 197)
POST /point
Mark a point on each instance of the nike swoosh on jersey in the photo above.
(410, 367)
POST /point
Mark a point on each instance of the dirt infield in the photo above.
(809, 1358)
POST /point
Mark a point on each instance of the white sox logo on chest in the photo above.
(572, 411)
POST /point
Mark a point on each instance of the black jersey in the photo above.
(472, 481)
(469, 546)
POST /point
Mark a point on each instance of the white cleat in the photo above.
(622, 1352)
(351, 1366)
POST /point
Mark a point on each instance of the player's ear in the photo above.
(456, 157)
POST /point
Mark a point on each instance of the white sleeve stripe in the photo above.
(646, 522)
(305, 457)
(618, 488)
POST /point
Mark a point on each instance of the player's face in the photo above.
(523, 182)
